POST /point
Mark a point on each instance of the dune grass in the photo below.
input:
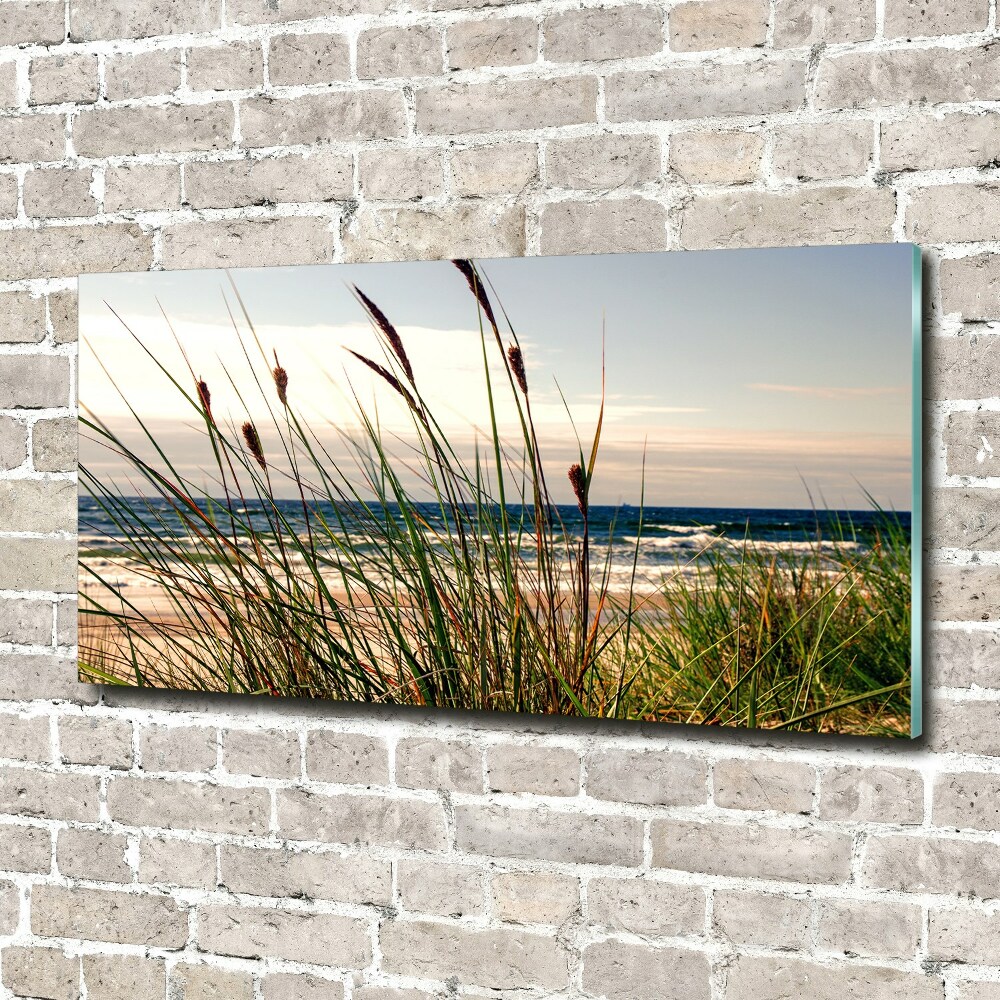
(467, 591)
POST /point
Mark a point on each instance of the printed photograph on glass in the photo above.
(662, 487)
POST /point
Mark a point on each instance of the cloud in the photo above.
(831, 392)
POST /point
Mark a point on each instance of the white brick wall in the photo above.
(159, 845)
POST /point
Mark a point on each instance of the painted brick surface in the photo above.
(181, 847)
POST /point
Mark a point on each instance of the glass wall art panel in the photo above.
(664, 487)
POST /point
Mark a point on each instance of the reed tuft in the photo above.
(205, 396)
(471, 275)
(280, 381)
(578, 482)
(252, 439)
(516, 359)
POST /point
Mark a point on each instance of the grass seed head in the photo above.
(516, 359)
(205, 396)
(471, 275)
(388, 331)
(579, 485)
(252, 439)
(281, 384)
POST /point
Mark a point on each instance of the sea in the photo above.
(669, 539)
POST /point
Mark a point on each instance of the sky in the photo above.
(750, 378)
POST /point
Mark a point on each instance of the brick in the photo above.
(93, 854)
(256, 932)
(938, 865)
(233, 66)
(752, 851)
(53, 445)
(718, 24)
(57, 251)
(265, 12)
(33, 22)
(99, 915)
(486, 170)
(762, 919)
(142, 74)
(9, 97)
(296, 60)
(664, 778)
(66, 612)
(24, 737)
(439, 764)
(954, 213)
(27, 676)
(37, 563)
(33, 138)
(59, 193)
(90, 739)
(766, 978)
(169, 129)
(871, 795)
(533, 769)
(247, 243)
(964, 727)
(48, 795)
(42, 973)
(299, 986)
(64, 317)
(967, 801)
(810, 216)
(624, 225)
(932, 142)
(907, 76)
(972, 443)
(823, 152)
(142, 187)
(783, 786)
(347, 758)
(189, 806)
(63, 79)
(962, 518)
(34, 381)
(121, 977)
(10, 908)
(267, 753)
(922, 18)
(963, 593)
(594, 34)
(621, 970)
(869, 928)
(90, 20)
(407, 51)
(318, 177)
(716, 157)
(447, 890)
(461, 230)
(362, 819)
(959, 658)
(506, 104)
(535, 897)
(178, 748)
(963, 934)
(401, 174)
(964, 366)
(13, 443)
(8, 196)
(517, 959)
(976, 990)
(205, 982)
(391, 993)
(22, 318)
(25, 849)
(971, 286)
(313, 118)
(166, 861)
(26, 621)
(546, 835)
(348, 877)
(603, 161)
(646, 906)
(40, 505)
(808, 22)
(705, 91)
(508, 41)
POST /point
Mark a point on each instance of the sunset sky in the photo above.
(751, 376)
